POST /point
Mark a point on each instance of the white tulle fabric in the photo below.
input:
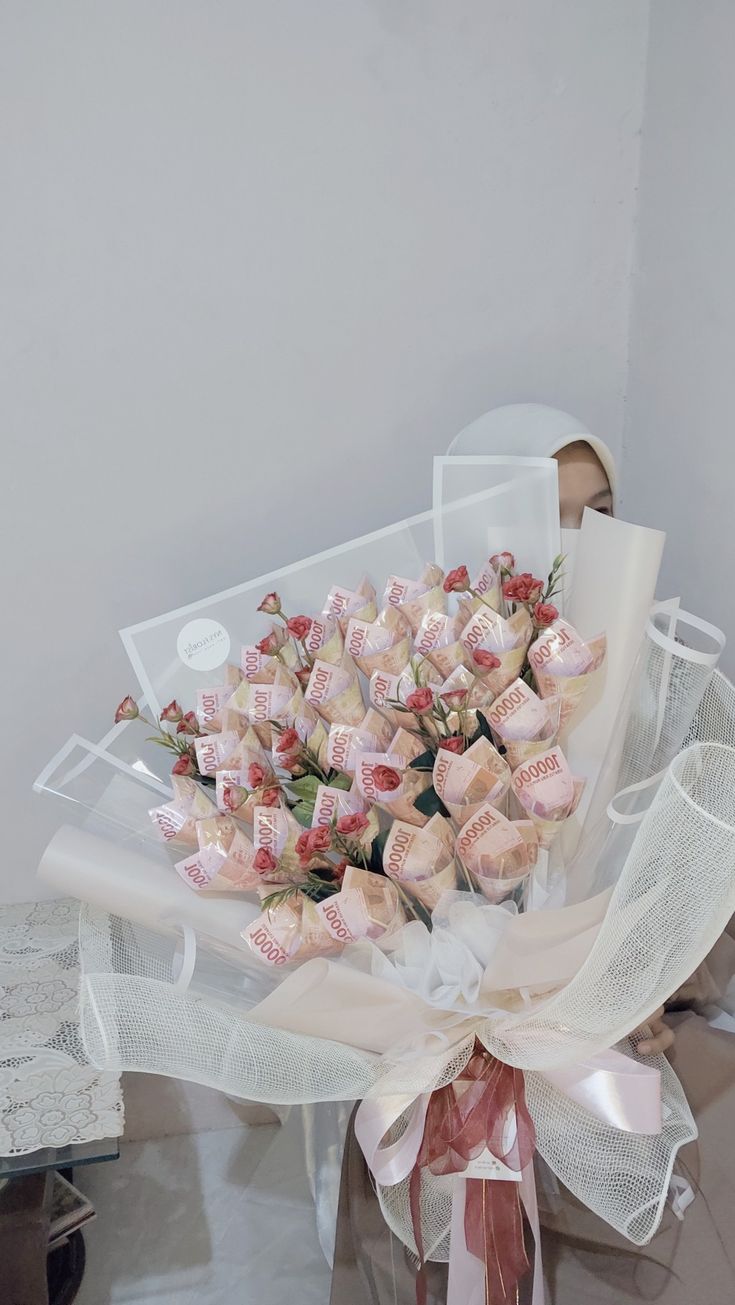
(673, 893)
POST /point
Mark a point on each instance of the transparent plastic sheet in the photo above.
(143, 1008)
(179, 651)
(487, 505)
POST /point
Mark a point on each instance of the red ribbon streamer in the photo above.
(464, 1119)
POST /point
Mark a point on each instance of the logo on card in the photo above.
(203, 644)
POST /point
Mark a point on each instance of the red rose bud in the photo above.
(311, 842)
(503, 561)
(353, 825)
(256, 774)
(270, 604)
(173, 713)
(128, 710)
(293, 764)
(453, 744)
(269, 645)
(299, 626)
(188, 724)
(270, 797)
(420, 700)
(338, 871)
(454, 698)
(234, 796)
(288, 741)
(487, 661)
(264, 861)
(524, 588)
(303, 675)
(386, 779)
(184, 766)
(545, 613)
(457, 581)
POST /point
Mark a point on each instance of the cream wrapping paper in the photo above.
(149, 892)
(616, 570)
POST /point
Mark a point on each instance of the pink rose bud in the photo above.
(545, 613)
(173, 713)
(234, 796)
(524, 588)
(454, 698)
(264, 861)
(503, 561)
(455, 743)
(311, 842)
(256, 774)
(289, 741)
(338, 871)
(270, 604)
(188, 724)
(457, 581)
(386, 779)
(269, 645)
(299, 626)
(128, 710)
(486, 660)
(184, 766)
(420, 701)
(303, 675)
(353, 825)
(270, 797)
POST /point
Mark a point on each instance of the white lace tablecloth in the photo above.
(49, 1095)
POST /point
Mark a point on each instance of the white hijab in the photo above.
(530, 430)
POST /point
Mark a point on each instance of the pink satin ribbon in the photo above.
(614, 1088)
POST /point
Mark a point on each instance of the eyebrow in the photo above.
(599, 496)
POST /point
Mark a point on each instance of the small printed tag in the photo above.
(485, 1165)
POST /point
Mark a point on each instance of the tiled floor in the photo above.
(222, 1217)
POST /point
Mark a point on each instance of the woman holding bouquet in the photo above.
(585, 1260)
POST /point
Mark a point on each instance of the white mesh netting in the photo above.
(674, 895)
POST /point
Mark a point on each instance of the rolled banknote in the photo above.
(414, 598)
(384, 780)
(485, 588)
(276, 833)
(379, 899)
(421, 860)
(224, 861)
(466, 781)
(385, 689)
(547, 793)
(292, 931)
(334, 691)
(262, 701)
(498, 853)
(344, 603)
(380, 645)
(242, 777)
(563, 662)
(523, 724)
(334, 804)
(437, 639)
(345, 741)
(506, 640)
(176, 820)
(325, 639)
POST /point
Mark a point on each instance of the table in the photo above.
(56, 1110)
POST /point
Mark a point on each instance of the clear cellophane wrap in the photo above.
(366, 1026)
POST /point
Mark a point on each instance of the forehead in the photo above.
(580, 470)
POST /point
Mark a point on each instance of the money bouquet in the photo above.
(402, 866)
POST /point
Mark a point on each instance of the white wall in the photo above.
(679, 459)
(261, 261)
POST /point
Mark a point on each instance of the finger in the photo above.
(656, 1045)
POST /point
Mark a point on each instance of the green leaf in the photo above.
(483, 726)
(305, 787)
(429, 803)
(424, 762)
(377, 848)
(338, 780)
(304, 813)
